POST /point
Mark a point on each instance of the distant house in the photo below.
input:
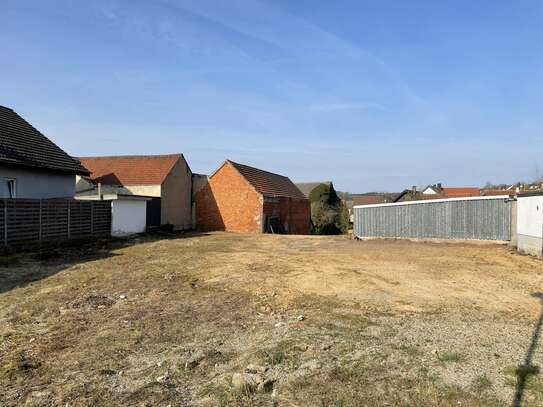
(165, 178)
(307, 188)
(240, 198)
(31, 165)
(497, 192)
(521, 187)
(414, 195)
(446, 192)
(374, 198)
(437, 191)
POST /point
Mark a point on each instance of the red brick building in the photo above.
(240, 198)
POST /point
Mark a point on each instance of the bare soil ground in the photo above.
(231, 319)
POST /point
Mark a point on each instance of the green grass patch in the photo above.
(482, 383)
(410, 350)
(450, 357)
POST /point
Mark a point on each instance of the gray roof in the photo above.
(23, 145)
(308, 187)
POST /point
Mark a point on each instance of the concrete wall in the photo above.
(198, 182)
(228, 202)
(176, 206)
(128, 217)
(530, 225)
(145, 190)
(38, 184)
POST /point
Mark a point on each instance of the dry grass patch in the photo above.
(293, 320)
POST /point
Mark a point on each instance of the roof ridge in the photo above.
(131, 156)
(313, 182)
(266, 182)
(258, 169)
(35, 148)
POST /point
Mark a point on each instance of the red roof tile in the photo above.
(369, 200)
(496, 192)
(268, 183)
(459, 192)
(130, 170)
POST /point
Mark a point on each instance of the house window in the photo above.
(8, 188)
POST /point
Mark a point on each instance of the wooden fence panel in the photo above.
(101, 218)
(80, 219)
(54, 220)
(23, 221)
(30, 221)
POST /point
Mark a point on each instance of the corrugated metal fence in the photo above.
(481, 218)
(30, 221)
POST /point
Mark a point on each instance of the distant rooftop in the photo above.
(308, 187)
(130, 169)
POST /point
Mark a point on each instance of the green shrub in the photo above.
(329, 214)
(329, 219)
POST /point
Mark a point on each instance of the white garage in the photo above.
(128, 212)
(128, 215)
(530, 223)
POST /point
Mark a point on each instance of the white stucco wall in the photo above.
(128, 217)
(429, 191)
(39, 184)
(145, 190)
(530, 216)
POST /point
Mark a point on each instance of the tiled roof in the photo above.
(268, 183)
(130, 170)
(307, 187)
(460, 192)
(496, 192)
(369, 200)
(23, 145)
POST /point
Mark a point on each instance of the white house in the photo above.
(31, 165)
(530, 223)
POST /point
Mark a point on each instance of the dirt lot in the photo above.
(230, 319)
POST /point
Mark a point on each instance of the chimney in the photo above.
(439, 186)
(414, 189)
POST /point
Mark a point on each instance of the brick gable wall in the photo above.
(228, 203)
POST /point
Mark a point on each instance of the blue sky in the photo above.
(374, 95)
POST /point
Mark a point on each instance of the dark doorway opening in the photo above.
(273, 225)
(153, 212)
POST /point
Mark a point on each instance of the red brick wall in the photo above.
(228, 202)
(294, 214)
(300, 216)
